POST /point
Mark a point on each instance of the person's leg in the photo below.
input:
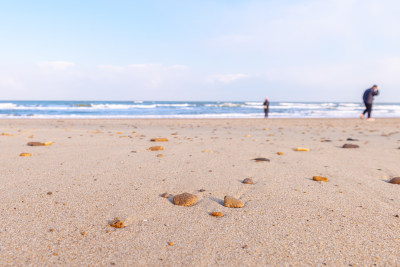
(266, 113)
(365, 111)
(366, 108)
(369, 108)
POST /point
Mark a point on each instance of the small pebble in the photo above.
(156, 148)
(350, 146)
(117, 223)
(281, 153)
(185, 199)
(159, 140)
(165, 195)
(248, 181)
(395, 180)
(320, 179)
(217, 214)
(49, 193)
(202, 190)
(302, 149)
(232, 202)
(35, 144)
(261, 160)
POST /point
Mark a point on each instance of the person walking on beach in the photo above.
(368, 98)
(266, 107)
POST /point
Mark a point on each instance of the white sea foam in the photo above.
(251, 109)
(7, 106)
(175, 105)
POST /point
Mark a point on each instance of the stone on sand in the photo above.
(25, 155)
(302, 149)
(165, 195)
(350, 146)
(117, 223)
(248, 181)
(217, 214)
(320, 179)
(156, 148)
(159, 139)
(35, 144)
(395, 180)
(261, 160)
(232, 202)
(185, 199)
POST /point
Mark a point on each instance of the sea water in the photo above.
(188, 109)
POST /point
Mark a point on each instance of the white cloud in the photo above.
(226, 78)
(57, 65)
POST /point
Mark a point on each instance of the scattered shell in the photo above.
(217, 214)
(156, 148)
(395, 180)
(165, 195)
(232, 202)
(171, 243)
(160, 155)
(202, 190)
(49, 193)
(247, 135)
(352, 139)
(320, 179)
(117, 223)
(248, 181)
(185, 199)
(350, 146)
(7, 134)
(159, 140)
(25, 155)
(207, 151)
(281, 153)
(302, 149)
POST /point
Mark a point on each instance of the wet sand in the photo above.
(56, 205)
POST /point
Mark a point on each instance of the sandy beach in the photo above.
(57, 204)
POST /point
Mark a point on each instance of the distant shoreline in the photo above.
(188, 109)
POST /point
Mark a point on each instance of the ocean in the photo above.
(187, 109)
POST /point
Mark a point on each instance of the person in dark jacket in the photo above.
(266, 107)
(368, 99)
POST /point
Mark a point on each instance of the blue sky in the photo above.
(308, 50)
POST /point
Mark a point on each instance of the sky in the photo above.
(288, 50)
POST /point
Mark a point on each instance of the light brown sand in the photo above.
(288, 219)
